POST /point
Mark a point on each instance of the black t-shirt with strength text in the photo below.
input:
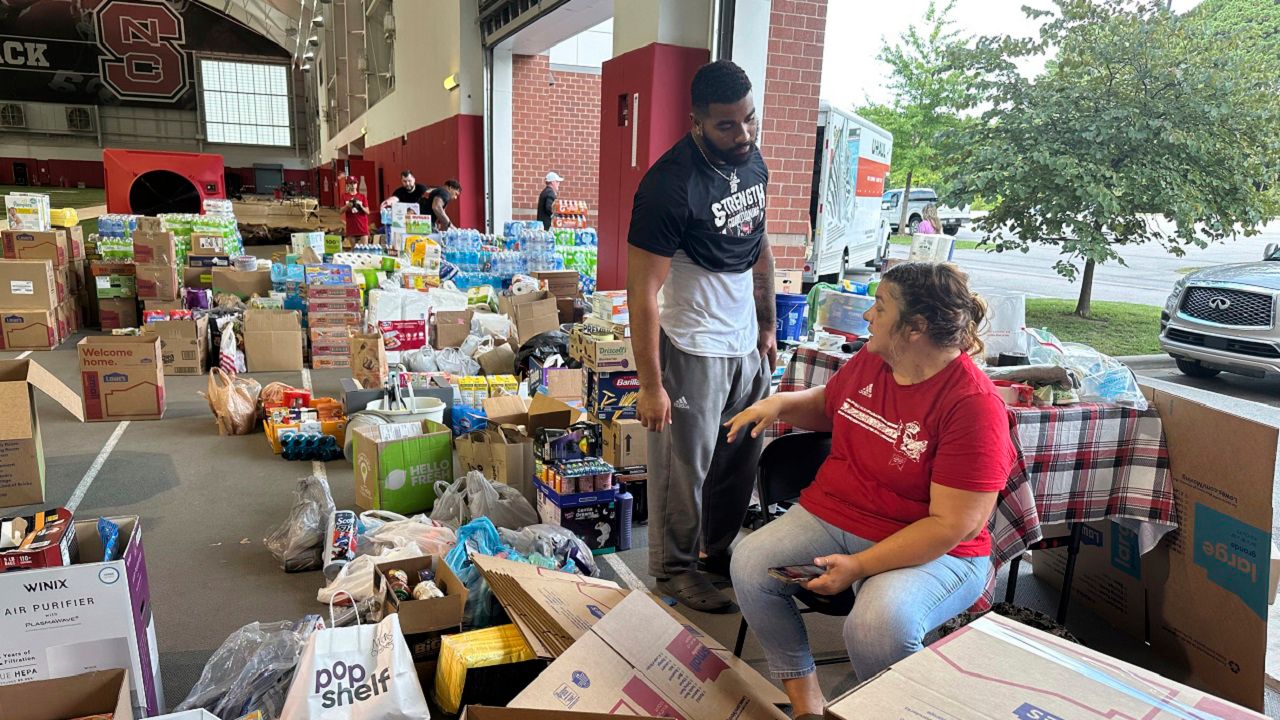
(683, 203)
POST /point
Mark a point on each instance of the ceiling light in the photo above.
(313, 41)
(317, 21)
(308, 56)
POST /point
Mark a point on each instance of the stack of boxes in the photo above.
(577, 489)
(611, 388)
(155, 257)
(111, 272)
(38, 289)
(333, 313)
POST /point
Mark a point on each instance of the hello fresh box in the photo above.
(62, 621)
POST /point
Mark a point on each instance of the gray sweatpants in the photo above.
(700, 484)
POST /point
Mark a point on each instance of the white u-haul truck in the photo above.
(849, 170)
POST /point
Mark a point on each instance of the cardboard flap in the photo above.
(54, 388)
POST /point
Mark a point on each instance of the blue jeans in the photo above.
(891, 615)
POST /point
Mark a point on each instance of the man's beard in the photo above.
(731, 157)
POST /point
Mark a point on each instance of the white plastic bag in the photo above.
(356, 673)
(431, 537)
(455, 362)
(356, 577)
(1006, 320)
(230, 359)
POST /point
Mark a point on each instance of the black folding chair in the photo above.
(787, 466)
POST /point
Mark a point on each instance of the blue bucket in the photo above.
(791, 316)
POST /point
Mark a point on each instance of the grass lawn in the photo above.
(960, 244)
(1115, 328)
(60, 197)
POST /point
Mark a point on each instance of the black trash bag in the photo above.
(541, 347)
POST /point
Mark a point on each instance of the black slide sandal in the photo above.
(696, 591)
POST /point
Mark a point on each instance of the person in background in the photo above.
(410, 191)
(929, 222)
(697, 236)
(355, 211)
(435, 202)
(547, 200)
(899, 510)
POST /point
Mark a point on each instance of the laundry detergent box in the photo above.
(94, 614)
(122, 377)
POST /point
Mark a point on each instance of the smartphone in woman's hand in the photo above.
(796, 574)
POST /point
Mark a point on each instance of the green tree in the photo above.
(1144, 127)
(1255, 22)
(928, 93)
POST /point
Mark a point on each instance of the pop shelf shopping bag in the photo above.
(356, 673)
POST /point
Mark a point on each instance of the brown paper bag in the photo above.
(368, 360)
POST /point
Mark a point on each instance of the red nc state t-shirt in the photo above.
(890, 441)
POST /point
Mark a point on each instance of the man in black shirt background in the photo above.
(410, 191)
(435, 202)
(547, 200)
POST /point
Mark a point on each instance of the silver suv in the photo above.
(1223, 319)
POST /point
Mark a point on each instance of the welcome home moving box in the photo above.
(122, 377)
(1199, 597)
(996, 668)
(21, 449)
(93, 615)
(88, 694)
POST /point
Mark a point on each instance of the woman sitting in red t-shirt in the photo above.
(920, 448)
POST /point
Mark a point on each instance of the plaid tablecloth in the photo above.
(1076, 463)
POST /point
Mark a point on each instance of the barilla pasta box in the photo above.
(611, 395)
(122, 377)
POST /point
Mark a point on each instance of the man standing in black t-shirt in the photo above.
(410, 191)
(697, 235)
(435, 202)
(547, 200)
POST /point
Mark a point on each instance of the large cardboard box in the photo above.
(22, 469)
(449, 328)
(197, 277)
(484, 712)
(183, 344)
(561, 283)
(611, 395)
(29, 329)
(995, 668)
(602, 355)
(155, 248)
(114, 279)
(28, 285)
(639, 660)
(396, 467)
(89, 694)
(594, 520)
(157, 282)
(533, 313)
(626, 442)
(244, 284)
(272, 340)
(122, 377)
(503, 453)
(75, 242)
(1200, 596)
(93, 615)
(540, 411)
(423, 622)
(116, 313)
(48, 245)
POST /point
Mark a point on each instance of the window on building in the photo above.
(12, 116)
(79, 119)
(245, 103)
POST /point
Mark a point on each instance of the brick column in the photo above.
(789, 135)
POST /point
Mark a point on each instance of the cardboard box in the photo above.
(29, 330)
(538, 412)
(22, 468)
(122, 377)
(597, 524)
(114, 280)
(533, 313)
(155, 248)
(626, 442)
(75, 242)
(789, 282)
(116, 313)
(91, 693)
(484, 712)
(197, 277)
(399, 473)
(208, 262)
(150, 224)
(501, 360)
(48, 245)
(331, 292)
(995, 668)
(208, 245)
(611, 306)
(93, 616)
(183, 344)
(611, 395)
(561, 283)
(47, 540)
(449, 328)
(563, 383)
(339, 305)
(603, 355)
(272, 340)
(422, 622)
(28, 285)
(162, 305)
(244, 284)
(157, 282)
(638, 659)
(504, 454)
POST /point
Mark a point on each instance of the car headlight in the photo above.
(1171, 303)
